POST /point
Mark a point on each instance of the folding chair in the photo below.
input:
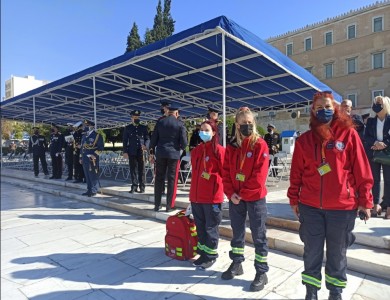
(186, 172)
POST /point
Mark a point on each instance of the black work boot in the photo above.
(142, 189)
(133, 189)
(259, 282)
(311, 292)
(235, 269)
(335, 296)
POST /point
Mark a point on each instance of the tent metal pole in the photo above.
(94, 102)
(1, 145)
(34, 111)
(223, 90)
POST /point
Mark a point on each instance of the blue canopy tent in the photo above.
(215, 63)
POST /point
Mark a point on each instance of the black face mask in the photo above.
(162, 111)
(136, 121)
(377, 108)
(36, 132)
(269, 130)
(246, 129)
(52, 130)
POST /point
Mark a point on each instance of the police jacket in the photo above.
(37, 144)
(254, 161)
(273, 141)
(370, 136)
(345, 187)
(359, 125)
(134, 136)
(78, 134)
(195, 139)
(56, 143)
(204, 188)
(91, 143)
(69, 146)
(169, 137)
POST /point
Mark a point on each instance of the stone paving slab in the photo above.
(132, 264)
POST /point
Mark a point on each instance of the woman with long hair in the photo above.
(245, 172)
(206, 193)
(330, 181)
(377, 138)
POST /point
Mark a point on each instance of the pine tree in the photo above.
(158, 31)
(148, 37)
(169, 23)
(133, 39)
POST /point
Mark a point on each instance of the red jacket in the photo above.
(202, 190)
(254, 168)
(346, 186)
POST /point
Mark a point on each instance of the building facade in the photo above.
(350, 53)
(19, 85)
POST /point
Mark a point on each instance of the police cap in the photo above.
(271, 125)
(165, 103)
(35, 127)
(78, 124)
(136, 113)
(174, 107)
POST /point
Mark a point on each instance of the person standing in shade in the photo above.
(135, 142)
(56, 145)
(206, 193)
(377, 138)
(212, 115)
(195, 139)
(37, 145)
(245, 170)
(69, 149)
(330, 181)
(272, 139)
(78, 167)
(169, 137)
(92, 145)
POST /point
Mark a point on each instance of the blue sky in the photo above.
(51, 39)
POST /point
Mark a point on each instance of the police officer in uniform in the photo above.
(78, 167)
(56, 145)
(169, 137)
(91, 146)
(37, 145)
(135, 142)
(212, 115)
(195, 139)
(273, 141)
(69, 149)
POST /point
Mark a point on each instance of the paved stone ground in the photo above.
(57, 248)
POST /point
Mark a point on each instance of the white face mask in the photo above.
(206, 136)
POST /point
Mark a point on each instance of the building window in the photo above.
(351, 65)
(289, 49)
(353, 98)
(328, 71)
(351, 32)
(309, 69)
(377, 60)
(308, 45)
(377, 93)
(8, 94)
(377, 24)
(328, 38)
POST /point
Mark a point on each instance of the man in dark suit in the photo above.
(38, 146)
(78, 167)
(56, 145)
(169, 137)
(273, 141)
(135, 142)
(69, 149)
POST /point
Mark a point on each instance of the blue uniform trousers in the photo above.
(257, 212)
(335, 227)
(207, 219)
(91, 174)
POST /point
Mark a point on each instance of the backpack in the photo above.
(181, 239)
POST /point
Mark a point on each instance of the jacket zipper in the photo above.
(321, 176)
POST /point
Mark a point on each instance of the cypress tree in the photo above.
(169, 23)
(158, 30)
(148, 37)
(133, 39)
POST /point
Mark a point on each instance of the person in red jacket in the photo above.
(244, 175)
(330, 181)
(206, 193)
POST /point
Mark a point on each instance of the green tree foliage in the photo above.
(133, 39)
(148, 39)
(168, 21)
(158, 30)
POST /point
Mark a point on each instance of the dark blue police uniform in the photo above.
(69, 149)
(56, 145)
(91, 144)
(273, 141)
(78, 168)
(37, 145)
(135, 136)
(169, 137)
